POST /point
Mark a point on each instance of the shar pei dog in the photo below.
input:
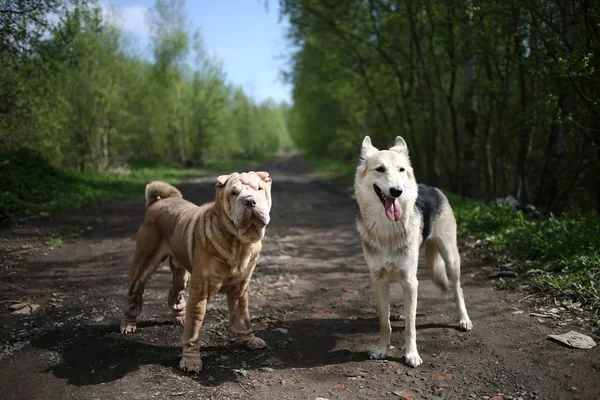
(214, 247)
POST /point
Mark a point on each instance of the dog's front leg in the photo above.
(239, 318)
(410, 287)
(200, 293)
(381, 287)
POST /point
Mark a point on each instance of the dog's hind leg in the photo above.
(410, 286)
(381, 287)
(177, 291)
(148, 256)
(449, 252)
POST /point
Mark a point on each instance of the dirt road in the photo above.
(310, 300)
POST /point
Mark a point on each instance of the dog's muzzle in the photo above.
(255, 212)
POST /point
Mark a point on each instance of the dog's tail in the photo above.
(436, 265)
(157, 190)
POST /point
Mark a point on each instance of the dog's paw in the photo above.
(413, 359)
(378, 353)
(400, 316)
(253, 343)
(127, 327)
(179, 319)
(465, 324)
(190, 364)
(177, 301)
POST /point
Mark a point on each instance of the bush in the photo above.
(559, 254)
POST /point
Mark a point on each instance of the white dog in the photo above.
(396, 216)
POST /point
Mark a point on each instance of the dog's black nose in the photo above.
(249, 202)
(395, 192)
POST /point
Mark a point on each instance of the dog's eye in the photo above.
(381, 168)
(402, 169)
(234, 193)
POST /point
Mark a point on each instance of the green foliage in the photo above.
(54, 242)
(493, 98)
(558, 255)
(341, 174)
(79, 94)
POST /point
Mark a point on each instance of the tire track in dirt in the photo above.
(310, 299)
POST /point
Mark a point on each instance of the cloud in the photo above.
(129, 18)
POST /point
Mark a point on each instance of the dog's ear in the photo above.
(367, 148)
(399, 145)
(264, 175)
(222, 180)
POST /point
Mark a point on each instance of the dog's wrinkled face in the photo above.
(387, 175)
(246, 200)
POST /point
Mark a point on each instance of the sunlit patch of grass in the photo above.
(341, 174)
(557, 254)
(54, 242)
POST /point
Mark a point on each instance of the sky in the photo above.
(245, 36)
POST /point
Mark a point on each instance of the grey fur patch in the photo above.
(401, 250)
(369, 247)
(429, 204)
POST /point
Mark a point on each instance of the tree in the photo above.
(77, 91)
(171, 47)
(526, 123)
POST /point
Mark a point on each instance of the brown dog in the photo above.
(218, 243)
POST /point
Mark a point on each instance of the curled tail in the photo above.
(436, 265)
(157, 190)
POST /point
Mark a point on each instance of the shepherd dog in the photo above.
(396, 217)
(214, 247)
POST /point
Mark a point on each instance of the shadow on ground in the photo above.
(110, 356)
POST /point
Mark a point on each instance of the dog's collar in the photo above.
(222, 227)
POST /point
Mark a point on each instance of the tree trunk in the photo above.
(180, 134)
(487, 159)
(597, 180)
(105, 149)
(431, 169)
(553, 168)
(470, 173)
(526, 142)
(527, 132)
(548, 193)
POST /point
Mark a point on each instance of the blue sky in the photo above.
(249, 40)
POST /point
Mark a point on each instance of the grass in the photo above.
(31, 187)
(556, 255)
(341, 174)
(54, 242)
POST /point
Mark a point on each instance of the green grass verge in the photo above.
(559, 255)
(341, 174)
(30, 186)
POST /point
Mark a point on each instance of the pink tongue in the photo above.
(392, 209)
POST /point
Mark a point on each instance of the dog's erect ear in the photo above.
(264, 175)
(222, 180)
(367, 148)
(399, 145)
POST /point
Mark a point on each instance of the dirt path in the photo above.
(310, 299)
